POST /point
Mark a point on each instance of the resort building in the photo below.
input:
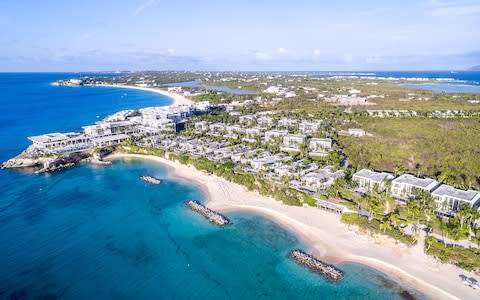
(253, 132)
(292, 142)
(321, 179)
(405, 186)
(367, 180)
(102, 129)
(319, 147)
(217, 128)
(309, 126)
(264, 121)
(275, 134)
(450, 199)
(109, 140)
(61, 143)
(358, 132)
(287, 123)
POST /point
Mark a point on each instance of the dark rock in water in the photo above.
(408, 296)
(330, 272)
(210, 215)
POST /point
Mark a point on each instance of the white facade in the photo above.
(450, 199)
(367, 180)
(404, 186)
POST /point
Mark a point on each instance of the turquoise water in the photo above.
(98, 232)
(446, 88)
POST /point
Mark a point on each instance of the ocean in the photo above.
(98, 232)
(445, 81)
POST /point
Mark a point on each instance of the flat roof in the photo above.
(52, 137)
(109, 138)
(372, 175)
(415, 181)
(450, 191)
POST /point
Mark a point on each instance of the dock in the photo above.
(210, 215)
(328, 271)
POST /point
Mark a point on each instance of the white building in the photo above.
(450, 199)
(275, 134)
(404, 186)
(357, 132)
(309, 126)
(368, 179)
(217, 128)
(61, 142)
(264, 121)
(321, 179)
(292, 142)
(319, 147)
(253, 132)
(288, 123)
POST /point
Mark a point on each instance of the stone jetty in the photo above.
(330, 272)
(210, 215)
(150, 179)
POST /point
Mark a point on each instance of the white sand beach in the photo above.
(327, 236)
(177, 98)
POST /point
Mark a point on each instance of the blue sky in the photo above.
(89, 35)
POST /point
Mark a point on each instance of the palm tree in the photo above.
(385, 225)
(394, 219)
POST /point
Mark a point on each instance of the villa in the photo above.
(450, 199)
(292, 142)
(309, 126)
(319, 147)
(404, 187)
(321, 179)
(275, 134)
(288, 123)
(367, 180)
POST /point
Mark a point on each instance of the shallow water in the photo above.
(99, 232)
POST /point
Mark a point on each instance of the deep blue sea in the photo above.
(98, 232)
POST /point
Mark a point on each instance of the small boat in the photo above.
(150, 179)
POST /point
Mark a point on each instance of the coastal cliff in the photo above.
(41, 162)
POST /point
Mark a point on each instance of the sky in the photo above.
(247, 35)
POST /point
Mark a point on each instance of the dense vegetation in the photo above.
(445, 149)
(465, 258)
(376, 226)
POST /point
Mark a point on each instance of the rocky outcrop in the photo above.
(29, 158)
(210, 215)
(328, 271)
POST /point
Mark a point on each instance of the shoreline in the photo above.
(177, 99)
(325, 235)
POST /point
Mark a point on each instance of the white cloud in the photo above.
(171, 51)
(282, 50)
(316, 53)
(143, 6)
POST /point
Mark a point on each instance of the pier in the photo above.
(328, 271)
(210, 215)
